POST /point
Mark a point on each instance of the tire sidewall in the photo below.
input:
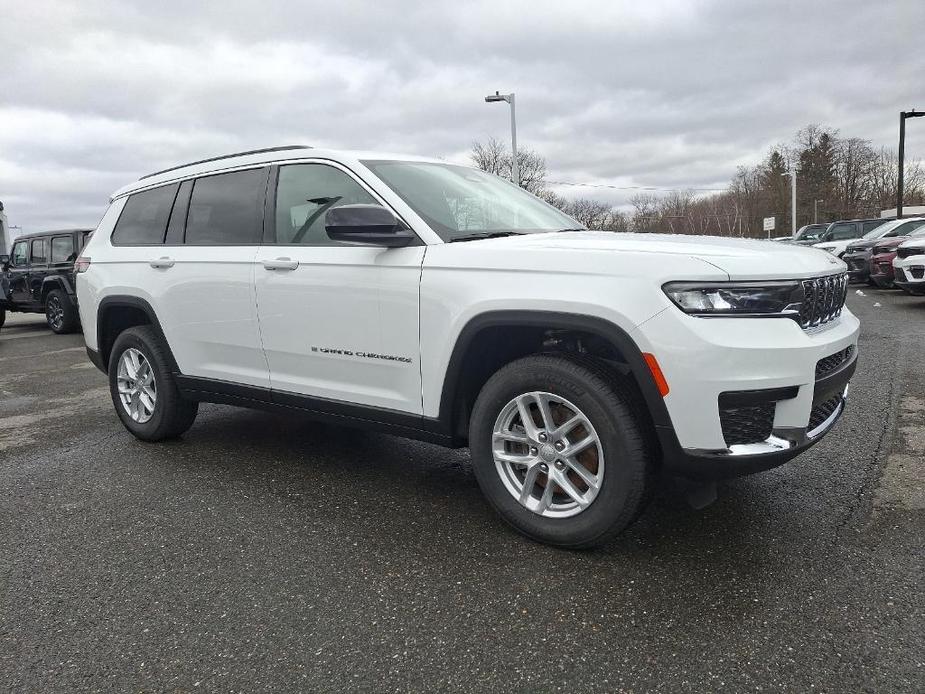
(125, 341)
(68, 318)
(612, 505)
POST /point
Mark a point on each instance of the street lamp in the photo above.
(793, 198)
(816, 211)
(903, 115)
(509, 98)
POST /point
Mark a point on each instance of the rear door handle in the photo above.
(162, 262)
(281, 264)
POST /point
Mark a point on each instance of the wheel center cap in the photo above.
(547, 453)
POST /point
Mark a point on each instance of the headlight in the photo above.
(736, 298)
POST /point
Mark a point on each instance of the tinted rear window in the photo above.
(62, 249)
(144, 219)
(227, 209)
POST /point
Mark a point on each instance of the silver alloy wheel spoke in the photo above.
(136, 385)
(556, 468)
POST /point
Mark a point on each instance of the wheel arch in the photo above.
(117, 313)
(461, 383)
(56, 282)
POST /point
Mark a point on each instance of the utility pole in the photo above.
(903, 115)
(515, 165)
(793, 198)
(816, 211)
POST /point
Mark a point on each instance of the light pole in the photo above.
(793, 198)
(509, 98)
(903, 115)
(816, 211)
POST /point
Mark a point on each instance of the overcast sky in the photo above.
(630, 93)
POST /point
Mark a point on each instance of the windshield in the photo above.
(460, 202)
(879, 231)
(810, 232)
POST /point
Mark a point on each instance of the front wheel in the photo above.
(143, 388)
(559, 449)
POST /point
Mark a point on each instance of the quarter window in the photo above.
(143, 221)
(841, 232)
(62, 249)
(304, 193)
(226, 209)
(39, 255)
(20, 254)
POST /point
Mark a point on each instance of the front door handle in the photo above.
(281, 264)
(163, 262)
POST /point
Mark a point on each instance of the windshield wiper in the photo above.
(574, 229)
(484, 235)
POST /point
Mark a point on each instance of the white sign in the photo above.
(769, 223)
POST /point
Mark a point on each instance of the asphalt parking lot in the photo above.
(268, 552)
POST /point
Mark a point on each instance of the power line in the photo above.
(652, 188)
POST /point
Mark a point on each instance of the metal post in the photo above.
(793, 200)
(515, 165)
(816, 211)
(902, 146)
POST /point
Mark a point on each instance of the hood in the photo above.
(740, 259)
(913, 243)
(891, 242)
(862, 244)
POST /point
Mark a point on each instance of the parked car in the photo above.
(809, 234)
(883, 254)
(857, 254)
(840, 234)
(439, 302)
(38, 277)
(909, 266)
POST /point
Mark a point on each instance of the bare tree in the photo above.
(495, 157)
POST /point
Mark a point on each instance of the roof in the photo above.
(53, 232)
(266, 155)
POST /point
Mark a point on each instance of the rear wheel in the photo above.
(143, 388)
(60, 312)
(559, 449)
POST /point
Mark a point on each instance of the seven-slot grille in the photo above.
(823, 299)
(909, 252)
(823, 411)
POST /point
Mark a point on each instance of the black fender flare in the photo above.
(128, 301)
(615, 335)
(57, 282)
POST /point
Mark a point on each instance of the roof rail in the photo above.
(226, 156)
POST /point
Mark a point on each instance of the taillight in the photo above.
(82, 264)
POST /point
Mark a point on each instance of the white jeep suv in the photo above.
(441, 303)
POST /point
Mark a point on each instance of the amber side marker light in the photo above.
(657, 374)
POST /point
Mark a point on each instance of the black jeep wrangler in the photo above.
(38, 277)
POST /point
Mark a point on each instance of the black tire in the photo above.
(2, 316)
(173, 414)
(613, 407)
(60, 312)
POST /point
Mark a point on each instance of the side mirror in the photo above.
(4, 262)
(368, 225)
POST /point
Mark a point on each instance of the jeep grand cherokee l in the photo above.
(442, 303)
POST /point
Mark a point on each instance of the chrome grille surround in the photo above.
(823, 299)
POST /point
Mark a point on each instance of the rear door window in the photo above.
(62, 249)
(39, 252)
(227, 209)
(143, 222)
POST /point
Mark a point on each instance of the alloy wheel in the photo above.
(548, 454)
(136, 385)
(54, 312)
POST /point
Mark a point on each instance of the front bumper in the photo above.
(703, 358)
(858, 263)
(881, 268)
(909, 273)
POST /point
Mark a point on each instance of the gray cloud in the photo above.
(666, 94)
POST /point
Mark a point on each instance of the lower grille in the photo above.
(828, 364)
(823, 411)
(917, 272)
(857, 263)
(899, 274)
(751, 424)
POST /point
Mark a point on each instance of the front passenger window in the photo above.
(20, 254)
(304, 193)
